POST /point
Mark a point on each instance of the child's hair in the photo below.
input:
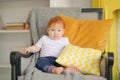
(56, 19)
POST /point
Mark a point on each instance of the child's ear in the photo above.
(47, 30)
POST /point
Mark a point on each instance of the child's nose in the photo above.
(55, 32)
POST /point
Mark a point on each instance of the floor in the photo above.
(5, 74)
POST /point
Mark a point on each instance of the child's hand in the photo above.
(31, 49)
(28, 50)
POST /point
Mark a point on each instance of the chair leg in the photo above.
(110, 65)
(109, 73)
(13, 73)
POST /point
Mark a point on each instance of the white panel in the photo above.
(81, 3)
(60, 3)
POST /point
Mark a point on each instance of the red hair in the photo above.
(56, 19)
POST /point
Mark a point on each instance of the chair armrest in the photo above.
(15, 61)
(110, 62)
(15, 55)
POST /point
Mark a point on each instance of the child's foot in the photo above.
(71, 69)
(57, 70)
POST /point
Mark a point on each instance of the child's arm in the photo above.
(32, 49)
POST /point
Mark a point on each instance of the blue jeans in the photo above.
(43, 63)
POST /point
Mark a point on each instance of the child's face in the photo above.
(55, 31)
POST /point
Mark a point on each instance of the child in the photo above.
(51, 46)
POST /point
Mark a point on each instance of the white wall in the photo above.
(71, 3)
(60, 3)
(82, 3)
(17, 10)
(12, 40)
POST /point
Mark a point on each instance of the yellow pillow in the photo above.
(93, 34)
(86, 60)
(71, 27)
(87, 33)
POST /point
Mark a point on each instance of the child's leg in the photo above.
(46, 64)
(43, 63)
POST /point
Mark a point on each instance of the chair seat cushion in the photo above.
(39, 75)
(93, 77)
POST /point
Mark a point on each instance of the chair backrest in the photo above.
(39, 18)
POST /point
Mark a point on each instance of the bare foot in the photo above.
(71, 69)
(57, 70)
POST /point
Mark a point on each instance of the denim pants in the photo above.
(43, 63)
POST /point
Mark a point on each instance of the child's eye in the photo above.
(52, 30)
(59, 30)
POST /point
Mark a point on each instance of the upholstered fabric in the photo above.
(103, 66)
(63, 76)
(93, 77)
(39, 75)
